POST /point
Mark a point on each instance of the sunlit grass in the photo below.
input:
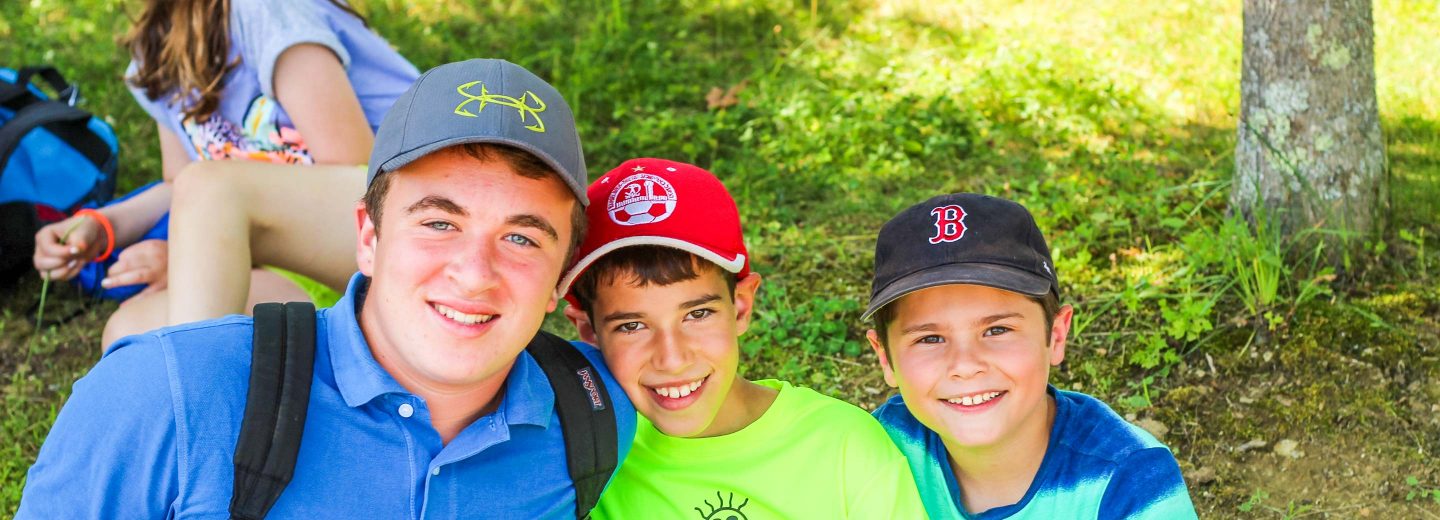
(1405, 58)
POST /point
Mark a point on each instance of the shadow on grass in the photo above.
(1413, 148)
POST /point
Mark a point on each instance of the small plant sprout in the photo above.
(1420, 492)
(1417, 239)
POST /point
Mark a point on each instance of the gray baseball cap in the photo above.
(481, 101)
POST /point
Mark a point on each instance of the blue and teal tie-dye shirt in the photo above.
(1096, 466)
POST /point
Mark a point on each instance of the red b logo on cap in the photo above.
(949, 224)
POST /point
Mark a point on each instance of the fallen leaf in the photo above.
(718, 98)
(1250, 445)
(1153, 426)
(1203, 476)
(1288, 448)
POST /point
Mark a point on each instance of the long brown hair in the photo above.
(183, 46)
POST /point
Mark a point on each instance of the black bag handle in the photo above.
(63, 89)
(282, 365)
(587, 417)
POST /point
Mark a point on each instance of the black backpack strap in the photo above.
(587, 418)
(281, 366)
(66, 122)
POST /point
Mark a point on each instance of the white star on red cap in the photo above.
(638, 169)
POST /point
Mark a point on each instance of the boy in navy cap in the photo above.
(968, 322)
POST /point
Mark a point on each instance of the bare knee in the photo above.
(137, 315)
(202, 183)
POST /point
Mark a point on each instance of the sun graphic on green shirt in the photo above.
(724, 509)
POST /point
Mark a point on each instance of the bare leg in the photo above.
(140, 313)
(146, 311)
(229, 216)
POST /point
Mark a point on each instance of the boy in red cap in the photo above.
(663, 286)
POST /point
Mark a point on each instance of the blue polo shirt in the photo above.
(150, 433)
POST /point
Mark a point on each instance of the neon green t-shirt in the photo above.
(808, 456)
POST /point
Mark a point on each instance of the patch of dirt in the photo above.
(1329, 421)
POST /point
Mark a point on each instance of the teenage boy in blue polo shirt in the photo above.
(968, 322)
(423, 403)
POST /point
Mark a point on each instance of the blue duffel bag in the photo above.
(54, 159)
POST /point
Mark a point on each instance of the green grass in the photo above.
(1112, 121)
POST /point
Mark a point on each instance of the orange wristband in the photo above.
(104, 224)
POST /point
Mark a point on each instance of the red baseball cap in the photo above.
(662, 203)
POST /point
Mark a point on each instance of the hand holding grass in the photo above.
(63, 248)
(58, 250)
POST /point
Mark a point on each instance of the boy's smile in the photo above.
(674, 348)
(972, 362)
(975, 402)
(679, 395)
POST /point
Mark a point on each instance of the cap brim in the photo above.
(732, 265)
(989, 275)
(399, 161)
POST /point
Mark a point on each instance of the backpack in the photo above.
(54, 159)
(283, 363)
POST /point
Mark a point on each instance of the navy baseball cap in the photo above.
(481, 101)
(961, 238)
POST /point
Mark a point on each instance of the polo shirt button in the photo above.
(406, 410)
(435, 471)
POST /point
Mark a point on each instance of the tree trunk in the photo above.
(1309, 151)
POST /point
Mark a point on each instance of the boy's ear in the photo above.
(1059, 332)
(879, 348)
(582, 324)
(365, 245)
(745, 291)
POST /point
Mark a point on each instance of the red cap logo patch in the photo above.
(641, 198)
(949, 224)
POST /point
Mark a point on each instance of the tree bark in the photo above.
(1310, 151)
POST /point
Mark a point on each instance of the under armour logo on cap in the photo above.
(486, 98)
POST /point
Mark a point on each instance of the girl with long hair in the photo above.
(265, 110)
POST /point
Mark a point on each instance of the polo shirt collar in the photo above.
(359, 377)
(528, 397)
